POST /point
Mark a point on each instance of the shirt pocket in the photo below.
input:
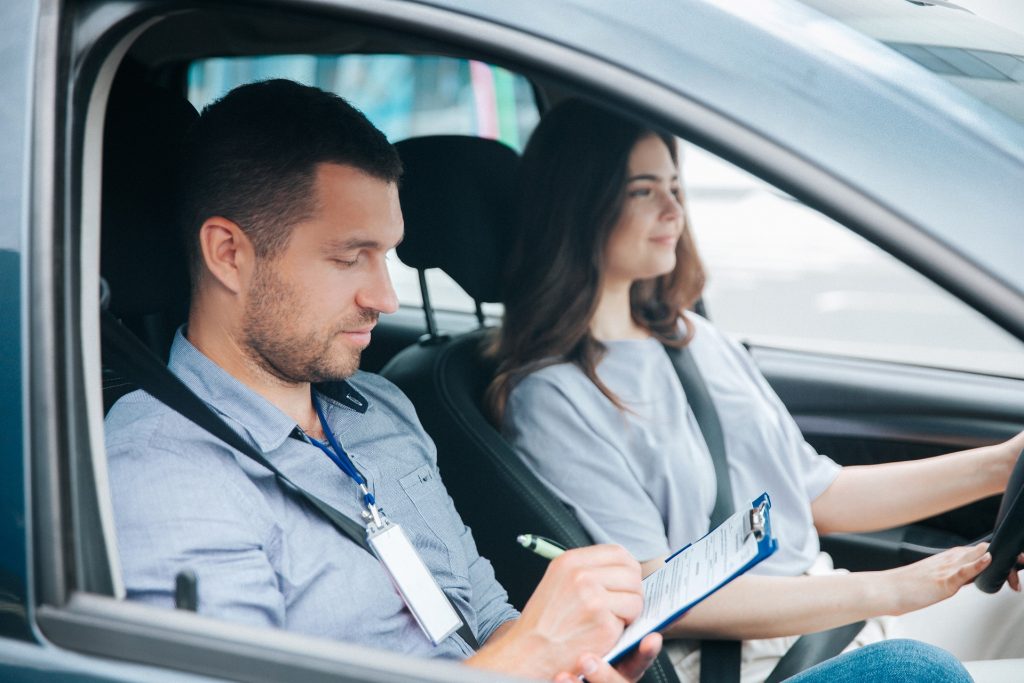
(430, 524)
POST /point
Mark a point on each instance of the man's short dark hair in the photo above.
(252, 158)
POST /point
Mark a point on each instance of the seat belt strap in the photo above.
(814, 648)
(719, 659)
(703, 407)
(124, 352)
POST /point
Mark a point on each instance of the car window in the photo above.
(405, 96)
(781, 274)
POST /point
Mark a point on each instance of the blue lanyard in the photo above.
(339, 457)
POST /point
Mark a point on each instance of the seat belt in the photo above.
(814, 648)
(124, 352)
(719, 659)
(809, 649)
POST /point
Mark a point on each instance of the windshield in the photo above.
(979, 57)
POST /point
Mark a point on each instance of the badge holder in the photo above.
(424, 598)
(428, 604)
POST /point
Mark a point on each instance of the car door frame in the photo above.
(63, 349)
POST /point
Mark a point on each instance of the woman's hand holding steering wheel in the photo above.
(934, 578)
(1007, 548)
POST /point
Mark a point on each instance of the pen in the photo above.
(539, 545)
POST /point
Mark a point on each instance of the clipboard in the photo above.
(707, 564)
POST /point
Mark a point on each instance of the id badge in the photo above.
(424, 598)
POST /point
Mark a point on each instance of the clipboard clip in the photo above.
(754, 522)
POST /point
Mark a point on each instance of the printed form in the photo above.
(691, 575)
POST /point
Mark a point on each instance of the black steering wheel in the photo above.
(1008, 535)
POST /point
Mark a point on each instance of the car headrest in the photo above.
(457, 199)
(142, 252)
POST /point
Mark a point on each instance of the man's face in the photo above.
(310, 308)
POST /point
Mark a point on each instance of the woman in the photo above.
(605, 267)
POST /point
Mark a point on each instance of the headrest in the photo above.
(142, 253)
(456, 196)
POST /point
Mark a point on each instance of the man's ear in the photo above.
(227, 252)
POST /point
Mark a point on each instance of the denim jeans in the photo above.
(890, 661)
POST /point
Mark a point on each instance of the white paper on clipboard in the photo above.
(698, 570)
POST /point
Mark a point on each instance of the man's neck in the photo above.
(218, 343)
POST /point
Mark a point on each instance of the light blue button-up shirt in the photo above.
(185, 500)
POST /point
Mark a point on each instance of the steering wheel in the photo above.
(1008, 535)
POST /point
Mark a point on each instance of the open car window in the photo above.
(404, 96)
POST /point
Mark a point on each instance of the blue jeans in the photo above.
(890, 661)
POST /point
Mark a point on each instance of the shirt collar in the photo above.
(265, 423)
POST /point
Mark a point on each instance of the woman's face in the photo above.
(643, 242)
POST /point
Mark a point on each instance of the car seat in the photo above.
(142, 256)
(456, 197)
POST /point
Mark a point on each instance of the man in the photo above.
(290, 204)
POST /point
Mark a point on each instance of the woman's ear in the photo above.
(228, 253)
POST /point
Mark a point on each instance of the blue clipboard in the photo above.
(757, 522)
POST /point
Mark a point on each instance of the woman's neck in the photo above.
(613, 318)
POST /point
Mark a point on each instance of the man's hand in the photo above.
(580, 607)
(586, 598)
(629, 670)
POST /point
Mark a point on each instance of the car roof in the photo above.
(945, 162)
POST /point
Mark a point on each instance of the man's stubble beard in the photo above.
(273, 341)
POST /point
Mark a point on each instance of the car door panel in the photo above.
(866, 412)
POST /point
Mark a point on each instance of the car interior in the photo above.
(455, 196)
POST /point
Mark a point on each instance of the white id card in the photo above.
(422, 595)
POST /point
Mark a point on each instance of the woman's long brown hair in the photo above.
(571, 188)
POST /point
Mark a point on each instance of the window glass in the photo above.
(967, 63)
(405, 96)
(926, 58)
(1011, 66)
(781, 274)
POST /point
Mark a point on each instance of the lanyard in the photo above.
(339, 457)
(433, 610)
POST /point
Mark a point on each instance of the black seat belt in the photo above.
(124, 352)
(720, 659)
(814, 648)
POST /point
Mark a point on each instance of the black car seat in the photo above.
(142, 257)
(456, 196)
